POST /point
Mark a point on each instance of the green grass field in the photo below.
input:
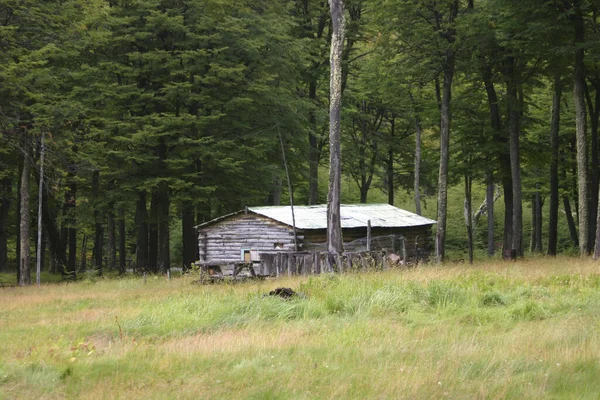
(529, 329)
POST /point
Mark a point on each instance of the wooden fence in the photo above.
(314, 263)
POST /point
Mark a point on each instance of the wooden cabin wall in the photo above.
(222, 242)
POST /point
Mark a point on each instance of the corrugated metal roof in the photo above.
(352, 215)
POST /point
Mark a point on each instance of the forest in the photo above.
(125, 123)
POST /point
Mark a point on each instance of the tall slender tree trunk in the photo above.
(141, 220)
(83, 254)
(534, 214)
(570, 221)
(514, 115)
(594, 112)
(390, 163)
(98, 227)
(122, 242)
(442, 200)
(469, 216)
(58, 254)
(164, 254)
(153, 232)
(580, 126)
(112, 239)
(24, 255)
(417, 182)
(554, 144)
(190, 244)
(503, 157)
(72, 229)
(313, 148)
(593, 189)
(39, 242)
(18, 222)
(490, 215)
(334, 228)
(537, 246)
(5, 203)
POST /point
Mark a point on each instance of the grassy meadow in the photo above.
(529, 329)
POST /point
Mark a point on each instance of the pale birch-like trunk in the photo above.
(334, 229)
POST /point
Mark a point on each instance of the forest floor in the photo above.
(529, 329)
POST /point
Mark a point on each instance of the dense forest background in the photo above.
(154, 116)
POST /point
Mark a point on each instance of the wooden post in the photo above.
(369, 235)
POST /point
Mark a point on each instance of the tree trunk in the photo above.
(141, 220)
(581, 135)
(570, 221)
(364, 191)
(514, 114)
(190, 245)
(534, 216)
(390, 163)
(58, 254)
(274, 198)
(554, 144)
(40, 247)
(503, 158)
(469, 216)
(442, 200)
(153, 232)
(112, 239)
(334, 229)
(164, 254)
(594, 112)
(72, 230)
(313, 148)
(24, 255)
(490, 215)
(597, 239)
(18, 222)
(417, 183)
(5, 203)
(98, 227)
(122, 242)
(83, 255)
(537, 246)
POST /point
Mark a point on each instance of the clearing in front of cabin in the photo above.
(529, 329)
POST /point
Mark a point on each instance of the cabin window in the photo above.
(249, 255)
(278, 246)
(246, 257)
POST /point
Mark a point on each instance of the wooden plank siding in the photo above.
(224, 240)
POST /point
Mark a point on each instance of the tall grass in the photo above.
(518, 330)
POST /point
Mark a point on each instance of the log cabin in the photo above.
(242, 236)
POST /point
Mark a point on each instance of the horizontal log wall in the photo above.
(223, 241)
